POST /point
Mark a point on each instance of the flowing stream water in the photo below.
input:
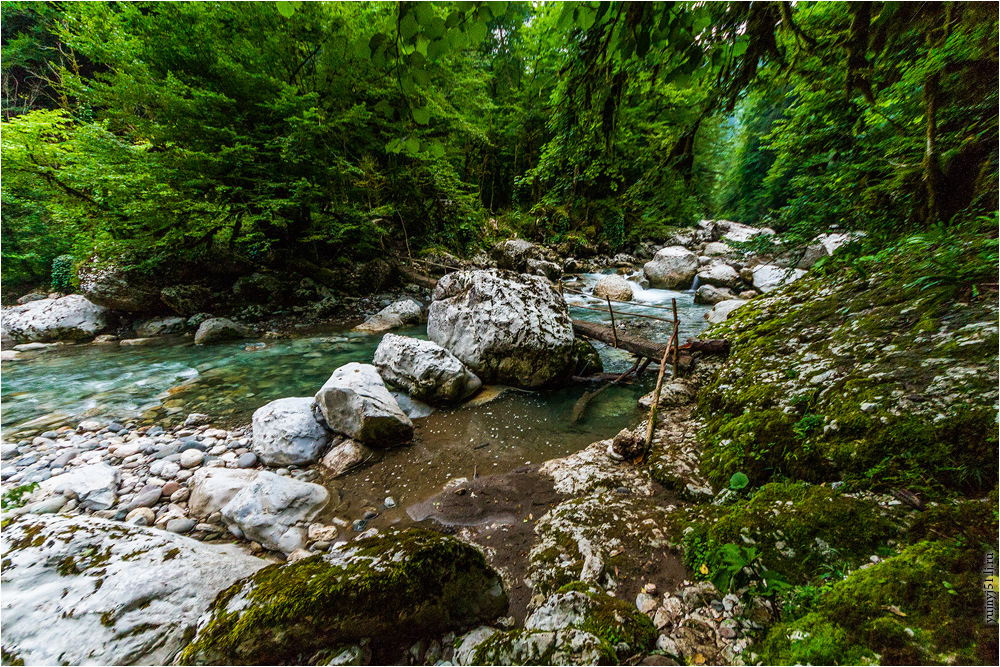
(229, 381)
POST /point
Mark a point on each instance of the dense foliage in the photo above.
(318, 134)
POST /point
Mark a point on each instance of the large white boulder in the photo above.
(720, 312)
(213, 488)
(70, 317)
(287, 432)
(400, 313)
(673, 267)
(356, 403)
(613, 287)
(276, 510)
(767, 277)
(88, 591)
(719, 274)
(509, 328)
(95, 485)
(424, 369)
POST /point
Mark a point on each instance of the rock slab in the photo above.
(397, 587)
(83, 590)
(70, 317)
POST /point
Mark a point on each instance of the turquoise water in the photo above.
(230, 381)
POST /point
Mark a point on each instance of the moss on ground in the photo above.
(876, 379)
(800, 530)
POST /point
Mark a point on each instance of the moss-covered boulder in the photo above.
(879, 373)
(390, 588)
(578, 625)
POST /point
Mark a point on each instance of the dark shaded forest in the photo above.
(309, 136)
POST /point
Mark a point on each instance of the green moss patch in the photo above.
(875, 378)
(392, 587)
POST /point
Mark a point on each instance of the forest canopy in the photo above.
(267, 134)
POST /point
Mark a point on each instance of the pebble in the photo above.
(321, 545)
(180, 495)
(247, 460)
(170, 487)
(141, 516)
(360, 525)
(180, 525)
(191, 458)
(389, 503)
(48, 506)
(206, 527)
(148, 496)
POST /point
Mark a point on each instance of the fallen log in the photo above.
(415, 277)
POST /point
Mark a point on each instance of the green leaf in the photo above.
(477, 32)
(424, 12)
(408, 27)
(412, 145)
(437, 48)
(436, 149)
(422, 115)
(738, 481)
(287, 7)
(435, 29)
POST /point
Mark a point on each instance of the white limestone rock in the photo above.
(88, 591)
(506, 328)
(356, 403)
(673, 267)
(276, 510)
(70, 317)
(424, 369)
(287, 432)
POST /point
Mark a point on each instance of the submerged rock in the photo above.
(398, 314)
(345, 455)
(673, 267)
(356, 403)
(275, 510)
(70, 317)
(287, 432)
(424, 369)
(84, 590)
(507, 328)
(392, 588)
